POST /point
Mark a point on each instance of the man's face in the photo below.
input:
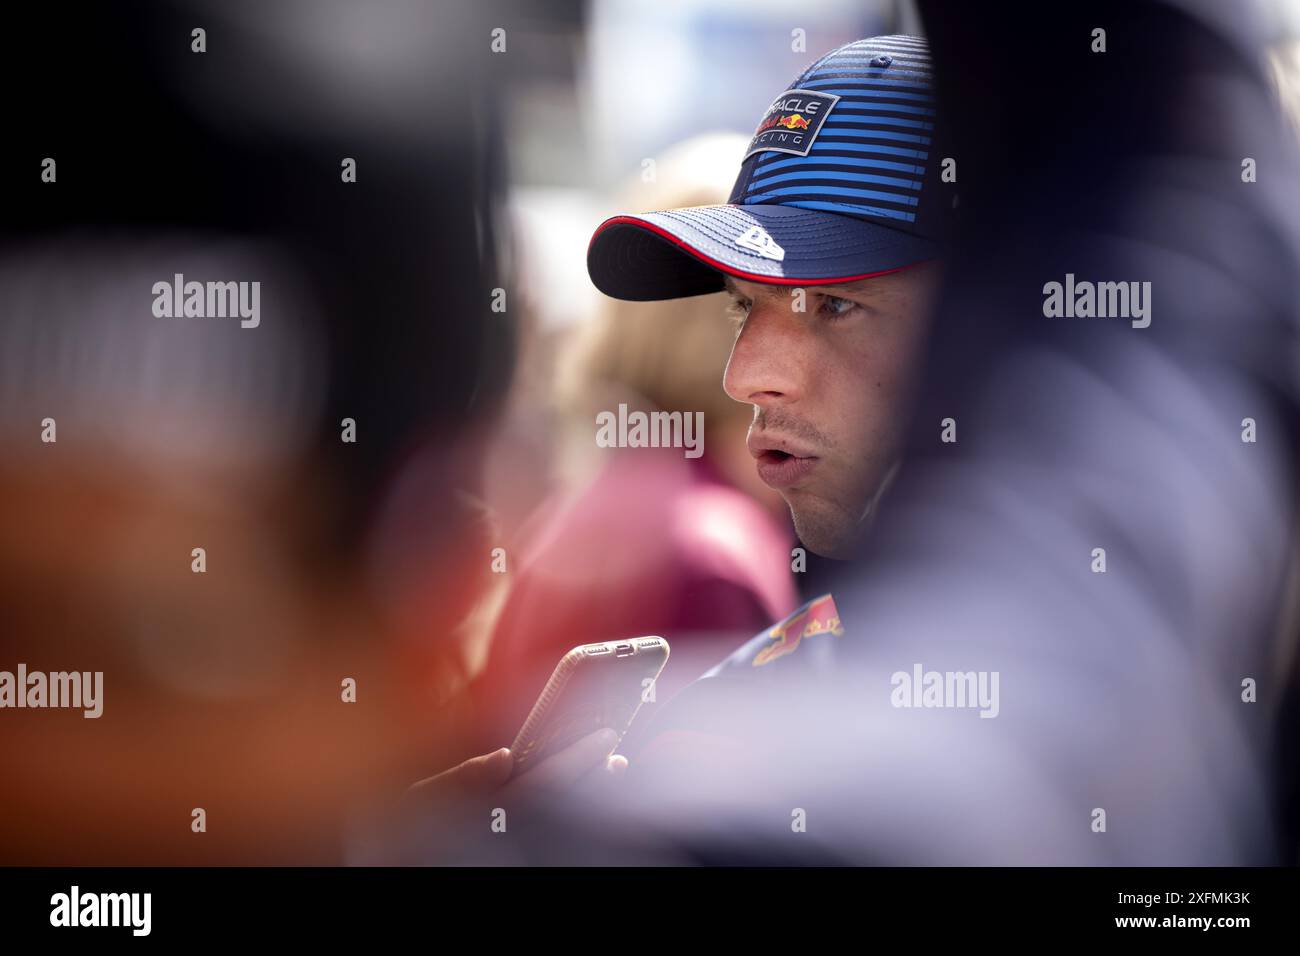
(830, 387)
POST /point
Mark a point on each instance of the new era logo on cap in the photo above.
(756, 238)
(838, 184)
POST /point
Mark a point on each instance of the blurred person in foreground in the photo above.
(1099, 539)
(180, 507)
(690, 547)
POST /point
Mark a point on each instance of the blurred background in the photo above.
(374, 560)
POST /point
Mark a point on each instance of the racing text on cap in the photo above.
(791, 122)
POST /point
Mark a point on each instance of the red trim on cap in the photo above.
(731, 270)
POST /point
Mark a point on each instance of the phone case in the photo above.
(593, 686)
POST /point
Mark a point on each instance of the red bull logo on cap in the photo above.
(789, 121)
(792, 121)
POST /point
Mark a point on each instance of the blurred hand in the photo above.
(586, 762)
(454, 811)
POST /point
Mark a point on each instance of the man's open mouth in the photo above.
(780, 469)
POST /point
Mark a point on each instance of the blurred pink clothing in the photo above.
(656, 544)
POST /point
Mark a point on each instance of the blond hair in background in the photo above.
(667, 355)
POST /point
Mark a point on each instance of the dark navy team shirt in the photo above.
(720, 703)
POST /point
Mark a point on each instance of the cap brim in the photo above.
(684, 252)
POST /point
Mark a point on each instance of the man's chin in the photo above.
(829, 529)
(826, 531)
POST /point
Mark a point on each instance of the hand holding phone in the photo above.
(593, 686)
(490, 772)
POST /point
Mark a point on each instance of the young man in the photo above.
(829, 247)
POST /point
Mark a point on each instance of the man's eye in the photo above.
(834, 307)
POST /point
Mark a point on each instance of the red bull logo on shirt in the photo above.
(818, 616)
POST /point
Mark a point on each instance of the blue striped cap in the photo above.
(839, 183)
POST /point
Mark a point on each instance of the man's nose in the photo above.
(766, 359)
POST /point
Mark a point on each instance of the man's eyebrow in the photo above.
(729, 284)
(866, 289)
(860, 289)
(872, 293)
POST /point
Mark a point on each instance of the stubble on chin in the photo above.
(823, 528)
(829, 529)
